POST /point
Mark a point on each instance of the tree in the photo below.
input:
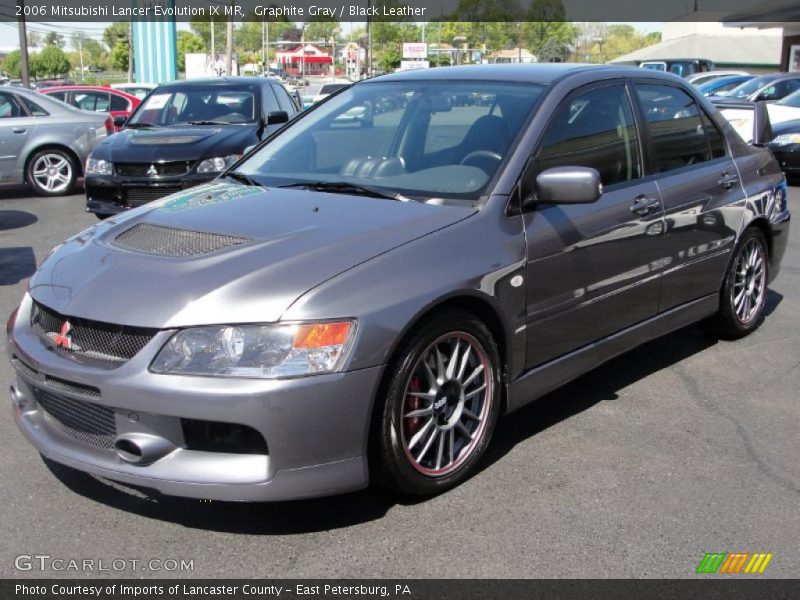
(52, 62)
(115, 33)
(188, 42)
(119, 55)
(54, 39)
(34, 39)
(12, 64)
(553, 51)
(202, 27)
(321, 29)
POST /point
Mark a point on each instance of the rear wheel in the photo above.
(52, 172)
(744, 291)
(440, 408)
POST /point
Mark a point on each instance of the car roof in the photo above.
(225, 80)
(545, 73)
(87, 88)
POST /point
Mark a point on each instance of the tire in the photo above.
(455, 406)
(748, 273)
(51, 172)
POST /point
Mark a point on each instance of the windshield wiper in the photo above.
(138, 125)
(242, 178)
(342, 187)
(207, 123)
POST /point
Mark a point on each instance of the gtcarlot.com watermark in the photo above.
(47, 562)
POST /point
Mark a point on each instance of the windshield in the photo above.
(792, 100)
(654, 66)
(420, 139)
(197, 104)
(749, 87)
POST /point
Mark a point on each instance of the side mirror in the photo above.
(762, 128)
(277, 117)
(565, 185)
(120, 120)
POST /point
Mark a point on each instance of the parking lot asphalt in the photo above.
(683, 446)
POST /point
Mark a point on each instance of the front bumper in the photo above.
(315, 428)
(788, 158)
(111, 194)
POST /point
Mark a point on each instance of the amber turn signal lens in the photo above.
(317, 335)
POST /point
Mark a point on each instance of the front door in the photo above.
(593, 269)
(15, 129)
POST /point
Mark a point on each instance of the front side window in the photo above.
(678, 131)
(119, 103)
(594, 129)
(420, 139)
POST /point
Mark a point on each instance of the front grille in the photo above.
(93, 339)
(164, 169)
(85, 422)
(214, 436)
(24, 368)
(169, 241)
(138, 196)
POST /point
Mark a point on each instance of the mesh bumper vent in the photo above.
(104, 342)
(85, 422)
(169, 241)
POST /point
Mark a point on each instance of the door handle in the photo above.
(643, 205)
(19, 130)
(728, 181)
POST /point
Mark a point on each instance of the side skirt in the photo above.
(545, 378)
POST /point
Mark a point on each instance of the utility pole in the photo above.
(229, 42)
(264, 47)
(369, 39)
(23, 46)
(303, 55)
(213, 49)
(80, 54)
(130, 51)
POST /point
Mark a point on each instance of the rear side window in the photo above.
(594, 129)
(34, 108)
(284, 100)
(118, 103)
(8, 108)
(679, 137)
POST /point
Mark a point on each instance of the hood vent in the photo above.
(169, 241)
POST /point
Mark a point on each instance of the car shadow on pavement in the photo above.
(16, 264)
(323, 514)
(15, 219)
(603, 383)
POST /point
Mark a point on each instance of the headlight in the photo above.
(98, 166)
(786, 139)
(263, 351)
(215, 165)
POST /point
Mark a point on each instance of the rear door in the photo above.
(593, 269)
(698, 182)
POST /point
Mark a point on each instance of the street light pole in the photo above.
(23, 46)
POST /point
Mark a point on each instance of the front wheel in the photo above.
(440, 407)
(744, 291)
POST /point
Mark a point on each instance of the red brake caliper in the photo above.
(412, 403)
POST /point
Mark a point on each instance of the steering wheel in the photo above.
(481, 154)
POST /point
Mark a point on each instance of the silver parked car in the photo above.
(364, 294)
(45, 142)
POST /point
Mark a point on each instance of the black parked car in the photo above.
(185, 133)
(786, 146)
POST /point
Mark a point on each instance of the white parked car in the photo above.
(140, 90)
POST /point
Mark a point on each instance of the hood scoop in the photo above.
(170, 241)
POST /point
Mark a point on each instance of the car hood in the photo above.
(147, 267)
(176, 143)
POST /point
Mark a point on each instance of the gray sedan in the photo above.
(365, 294)
(45, 142)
